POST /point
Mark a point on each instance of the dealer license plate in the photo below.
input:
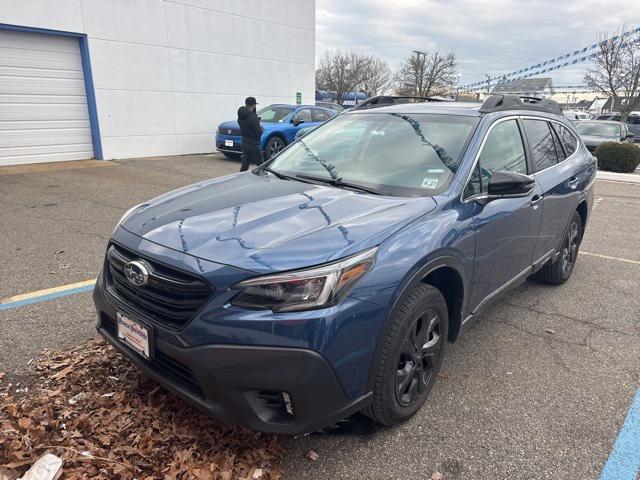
(228, 143)
(134, 334)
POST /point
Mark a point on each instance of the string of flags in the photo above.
(553, 64)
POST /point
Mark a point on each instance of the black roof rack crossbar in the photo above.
(386, 100)
(499, 103)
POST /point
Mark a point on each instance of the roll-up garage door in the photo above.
(43, 107)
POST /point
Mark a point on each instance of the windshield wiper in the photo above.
(340, 183)
(277, 174)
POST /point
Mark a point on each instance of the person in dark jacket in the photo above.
(251, 132)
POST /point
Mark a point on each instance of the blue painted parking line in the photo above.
(45, 295)
(624, 460)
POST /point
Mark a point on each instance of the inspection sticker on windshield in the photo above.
(429, 182)
(133, 334)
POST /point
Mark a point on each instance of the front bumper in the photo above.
(242, 384)
(221, 146)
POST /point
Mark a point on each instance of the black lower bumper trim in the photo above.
(268, 389)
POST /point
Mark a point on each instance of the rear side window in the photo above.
(543, 148)
(569, 142)
(318, 115)
(502, 151)
(558, 144)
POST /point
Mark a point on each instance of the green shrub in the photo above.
(618, 157)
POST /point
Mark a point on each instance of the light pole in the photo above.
(457, 93)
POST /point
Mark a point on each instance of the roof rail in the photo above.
(498, 103)
(386, 100)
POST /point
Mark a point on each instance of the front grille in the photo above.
(168, 366)
(230, 131)
(170, 297)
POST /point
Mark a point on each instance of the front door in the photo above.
(506, 228)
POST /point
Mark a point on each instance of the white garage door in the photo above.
(43, 108)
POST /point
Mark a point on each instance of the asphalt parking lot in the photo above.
(539, 388)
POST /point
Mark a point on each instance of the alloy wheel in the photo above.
(418, 358)
(276, 146)
(570, 247)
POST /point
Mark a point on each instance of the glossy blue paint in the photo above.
(264, 224)
(233, 228)
(284, 129)
(87, 76)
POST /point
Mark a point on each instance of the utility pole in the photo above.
(488, 82)
(421, 65)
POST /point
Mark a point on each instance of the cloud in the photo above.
(493, 37)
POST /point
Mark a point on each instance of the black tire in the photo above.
(233, 156)
(407, 364)
(273, 146)
(559, 272)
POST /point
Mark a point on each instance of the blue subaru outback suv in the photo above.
(329, 280)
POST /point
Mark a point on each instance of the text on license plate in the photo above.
(133, 334)
(228, 143)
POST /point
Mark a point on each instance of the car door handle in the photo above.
(573, 183)
(535, 201)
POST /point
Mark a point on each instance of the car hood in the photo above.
(264, 224)
(590, 140)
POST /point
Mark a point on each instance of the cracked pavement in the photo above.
(55, 226)
(537, 388)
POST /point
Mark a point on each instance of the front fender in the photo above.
(442, 237)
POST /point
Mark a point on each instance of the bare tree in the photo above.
(616, 71)
(426, 73)
(377, 77)
(341, 72)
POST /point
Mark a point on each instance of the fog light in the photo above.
(288, 406)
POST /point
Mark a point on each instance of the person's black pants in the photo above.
(250, 154)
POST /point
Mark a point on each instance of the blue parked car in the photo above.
(280, 123)
(329, 280)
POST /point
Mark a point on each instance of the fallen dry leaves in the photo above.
(106, 420)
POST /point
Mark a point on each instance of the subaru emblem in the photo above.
(137, 273)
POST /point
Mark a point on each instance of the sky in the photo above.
(489, 37)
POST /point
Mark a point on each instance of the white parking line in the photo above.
(617, 259)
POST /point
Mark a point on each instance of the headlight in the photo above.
(305, 289)
(126, 214)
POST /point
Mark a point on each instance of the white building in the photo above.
(133, 78)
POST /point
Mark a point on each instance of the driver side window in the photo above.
(502, 150)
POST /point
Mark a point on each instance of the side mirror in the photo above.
(510, 184)
(297, 121)
(628, 136)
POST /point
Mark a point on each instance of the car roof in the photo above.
(604, 122)
(469, 109)
(296, 106)
(456, 108)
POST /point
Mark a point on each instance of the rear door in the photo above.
(506, 228)
(559, 170)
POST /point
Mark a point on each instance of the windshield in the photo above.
(596, 129)
(392, 153)
(274, 113)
